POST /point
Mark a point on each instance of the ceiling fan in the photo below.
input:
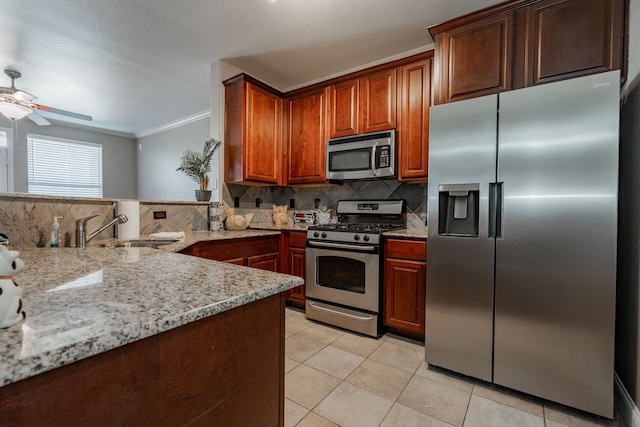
(15, 104)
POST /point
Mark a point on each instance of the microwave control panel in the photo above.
(383, 156)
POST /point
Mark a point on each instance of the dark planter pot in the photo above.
(203, 195)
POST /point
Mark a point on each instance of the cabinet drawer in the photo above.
(298, 239)
(406, 249)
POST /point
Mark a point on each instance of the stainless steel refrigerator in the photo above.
(522, 222)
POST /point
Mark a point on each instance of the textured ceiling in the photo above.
(137, 65)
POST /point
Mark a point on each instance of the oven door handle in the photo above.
(317, 307)
(366, 248)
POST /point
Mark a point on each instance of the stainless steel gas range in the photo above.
(344, 264)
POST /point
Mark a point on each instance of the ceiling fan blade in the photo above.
(38, 119)
(61, 112)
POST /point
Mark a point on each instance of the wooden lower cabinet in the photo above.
(294, 262)
(223, 370)
(258, 252)
(405, 269)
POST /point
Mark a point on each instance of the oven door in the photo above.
(344, 274)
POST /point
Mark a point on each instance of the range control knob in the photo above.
(316, 234)
(365, 238)
(356, 237)
(324, 234)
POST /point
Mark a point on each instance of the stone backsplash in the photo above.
(27, 219)
(304, 198)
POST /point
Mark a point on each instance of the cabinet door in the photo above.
(297, 267)
(378, 101)
(413, 129)
(569, 38)
(475, 58)
(404, 294)
(264, 262)
(262, 147)
(306, 138)
(342, 111)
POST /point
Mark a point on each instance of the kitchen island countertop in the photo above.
(81, 302)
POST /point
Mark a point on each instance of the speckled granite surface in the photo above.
(408, 233)
(194, 237)
(289, 227)
(80, 302)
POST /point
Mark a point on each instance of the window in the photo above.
(61, 167)
(6, 160)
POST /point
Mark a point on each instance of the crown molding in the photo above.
(171, 125)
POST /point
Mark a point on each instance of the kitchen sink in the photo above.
(155, 244)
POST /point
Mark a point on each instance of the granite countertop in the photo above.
(192, 237)
(81, 302)
(287, 227)
(408, 233)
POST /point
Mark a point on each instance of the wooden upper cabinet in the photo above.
(253, 132)
(378, 101)
(342, 110)
(413, 123)
(475, 58)
(305, 138)
(568, 38)
(522, 43)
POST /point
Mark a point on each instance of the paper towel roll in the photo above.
(131, 228)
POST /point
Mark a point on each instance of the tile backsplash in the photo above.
(304, 198)
(27, 219)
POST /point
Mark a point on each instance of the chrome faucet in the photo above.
(81, 233)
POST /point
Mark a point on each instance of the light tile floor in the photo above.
(338, 378)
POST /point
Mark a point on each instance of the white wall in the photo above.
(159, 156)
(118, 156)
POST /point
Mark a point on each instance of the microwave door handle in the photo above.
(373, 158)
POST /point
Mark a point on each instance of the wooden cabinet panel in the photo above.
(296, 265)
(522, 43)
(413, 129)
(342, 110)
(253, 132)
(378, 101)
(406, 249)
(305, 138)
(263, 144)
(258, 252)
(570, 38)
(405, 269)
(223, 370)
(264, 262)
(476, 58)
(405, 295)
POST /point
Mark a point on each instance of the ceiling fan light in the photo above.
(14, 111)
(23, 96)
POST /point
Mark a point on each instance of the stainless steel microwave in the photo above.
(366, 156)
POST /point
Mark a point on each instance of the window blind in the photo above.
(3, 138)
(61, 167)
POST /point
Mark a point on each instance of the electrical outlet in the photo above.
(236, 202)
(258, 202)
(292, 203)
(159, 214)
(316, 203)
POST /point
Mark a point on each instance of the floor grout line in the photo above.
(577, 417)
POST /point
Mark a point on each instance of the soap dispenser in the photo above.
(55, 232)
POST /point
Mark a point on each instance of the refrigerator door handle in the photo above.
(496, 199)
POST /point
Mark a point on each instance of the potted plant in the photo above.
(197, 166)
(324, 214)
